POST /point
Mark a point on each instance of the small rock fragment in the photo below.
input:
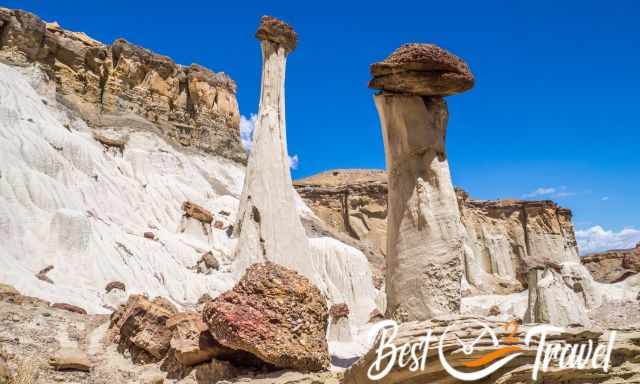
(192, 343)
(42, 275)
(115, 285)
(69, 307)
(197, 212)
(70, 359)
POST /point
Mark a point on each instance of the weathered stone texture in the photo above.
(499, 233)
(111, 84)
(275, 314)
(613, 266)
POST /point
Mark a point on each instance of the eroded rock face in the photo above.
(353, 202)
(624, 358)
(560, 294)
(275, 314)
(613, 266)
(501, 235)
(141, 328)
(108, 84)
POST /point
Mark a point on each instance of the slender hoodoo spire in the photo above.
(269, 227)
(425, 247)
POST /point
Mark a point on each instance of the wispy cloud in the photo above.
(550, 192)
(605, 198)
(598, 239)
(294, 162)
(248, 127)
(542, 191)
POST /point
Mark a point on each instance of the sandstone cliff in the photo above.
(613, 266)
(123, 84)
(502, 234)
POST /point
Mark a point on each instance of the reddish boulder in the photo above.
(149, 235)
(275, 314)
(141, 328)
(69, 307)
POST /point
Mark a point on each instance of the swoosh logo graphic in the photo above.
(489, 357)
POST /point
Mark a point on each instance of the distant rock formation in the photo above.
(613, 266)
(121, 83)
(504, 235)
(501, 234)
(353, 202)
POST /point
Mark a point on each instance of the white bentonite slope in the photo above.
(66, 201)
(69, 202)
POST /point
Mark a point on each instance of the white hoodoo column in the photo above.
(425, 234)
(269, 227)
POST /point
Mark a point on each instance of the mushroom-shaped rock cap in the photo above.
(422, 69)
(277, 31)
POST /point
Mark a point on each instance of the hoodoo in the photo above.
(269, 228)
(425, 234)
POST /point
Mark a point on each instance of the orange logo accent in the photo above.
(495, 355)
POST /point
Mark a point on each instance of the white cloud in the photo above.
(294, 162)
(542, 191)
(606, 198)
(552, 192)
(598, 239)
(247, 127)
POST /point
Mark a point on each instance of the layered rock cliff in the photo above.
(501, 235)
(124, 84)
(613, 266)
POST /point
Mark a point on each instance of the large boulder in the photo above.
(140, 327)
(275, 314)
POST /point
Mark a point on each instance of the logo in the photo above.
(499, 352)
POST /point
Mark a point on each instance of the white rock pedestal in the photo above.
(425, 233)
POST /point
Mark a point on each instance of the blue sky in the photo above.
(554, 114)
